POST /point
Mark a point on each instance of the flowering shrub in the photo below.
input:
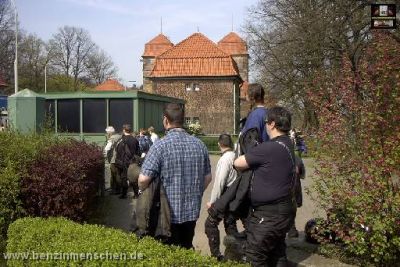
(194, 128)
(359, 153)
(63, 181)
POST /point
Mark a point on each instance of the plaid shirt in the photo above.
(182, 162)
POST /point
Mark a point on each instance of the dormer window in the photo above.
(196, 87)
(188, 87)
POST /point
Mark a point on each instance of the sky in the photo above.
(122, 27)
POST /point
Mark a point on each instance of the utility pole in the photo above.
(16, 48)
(45, 78)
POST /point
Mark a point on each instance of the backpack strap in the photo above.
(293, 168)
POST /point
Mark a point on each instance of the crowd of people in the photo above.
(257, 181)
(125, 153)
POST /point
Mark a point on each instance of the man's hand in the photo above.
(209, 205)
(143, 181)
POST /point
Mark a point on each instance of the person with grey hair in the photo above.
(109, 153)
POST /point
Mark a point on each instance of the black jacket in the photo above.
(152, 214)
(235, 199)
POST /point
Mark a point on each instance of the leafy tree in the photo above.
(32, 61)
(61, 82)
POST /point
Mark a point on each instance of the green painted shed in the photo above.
(85, 115)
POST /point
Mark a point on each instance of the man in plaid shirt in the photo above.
(182, 163)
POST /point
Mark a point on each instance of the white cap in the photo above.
(110, 129)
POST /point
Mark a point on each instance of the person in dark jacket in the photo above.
(258, 112)
(129, 156)
(152, 213)
(273, 207)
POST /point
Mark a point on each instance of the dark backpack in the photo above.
(144, 144)
(112, 151)
(123, 154)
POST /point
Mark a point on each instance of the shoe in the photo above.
(241, 235)
(123, 196)
(293, 233)
(220, 257)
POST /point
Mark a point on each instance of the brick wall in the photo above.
(213, 104)
(242, 62)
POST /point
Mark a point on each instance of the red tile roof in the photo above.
(157, 46)
(195, 56)
(110, 85)
(232, 44)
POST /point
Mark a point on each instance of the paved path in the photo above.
(118, 214)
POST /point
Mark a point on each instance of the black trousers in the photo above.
(212, 232)
(115, 179)
(182, 234)
(267, 228)
(123, 175)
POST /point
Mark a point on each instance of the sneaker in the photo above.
(240, 235)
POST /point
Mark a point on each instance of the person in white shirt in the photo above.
(109, 154)
(153, 136)
(225, 175)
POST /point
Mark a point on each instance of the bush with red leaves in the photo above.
(63, 181)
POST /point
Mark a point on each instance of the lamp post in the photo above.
(45, 78)
(16, 47)
(133, 83)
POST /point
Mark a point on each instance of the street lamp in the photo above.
(133, 83)
(16, 47)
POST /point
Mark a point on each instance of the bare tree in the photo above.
(293, 41)
(7, 42)
(100, 66)
(70, 48)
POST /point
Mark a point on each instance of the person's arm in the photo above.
(151, 168)
(241, 164)
(207, 180)
(144, 181)
(207, 168)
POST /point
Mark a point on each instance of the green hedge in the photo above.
(17, 152)
(211, 142)
(58, 236)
